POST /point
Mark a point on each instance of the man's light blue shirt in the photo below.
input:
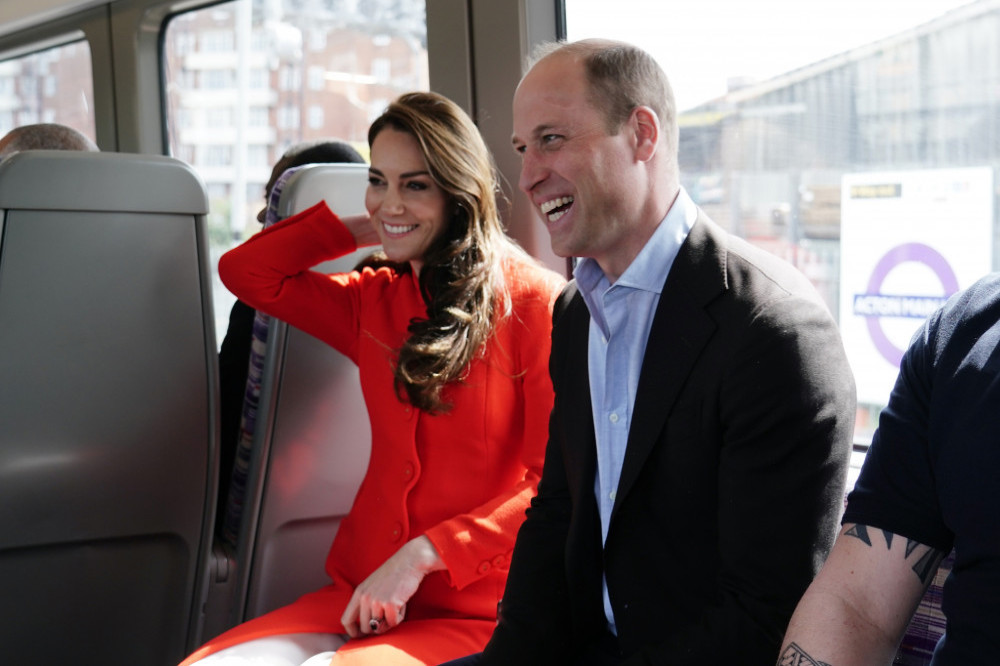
(621, 315)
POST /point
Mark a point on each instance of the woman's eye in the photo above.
(374, 180)
(416, 185)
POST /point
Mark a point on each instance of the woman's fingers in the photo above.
(385, 617)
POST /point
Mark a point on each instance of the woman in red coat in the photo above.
(450, 330)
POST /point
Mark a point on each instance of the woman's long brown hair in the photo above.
(462, 278)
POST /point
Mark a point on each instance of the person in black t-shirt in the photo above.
(929, 484)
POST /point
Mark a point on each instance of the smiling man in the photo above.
(704, 406)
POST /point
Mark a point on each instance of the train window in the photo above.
(245, 80)
(54, 85)
(860, 143)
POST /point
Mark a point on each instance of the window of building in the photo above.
(317, 78)
(258, 116)
(257, 155)
(289, 78)
(288, 117)
(219, 117)
(381, 69)
(217, 79)
(315, 117)
(217, 41)
(215, 156)
(260, 78)
(54, 85)
(184, 42)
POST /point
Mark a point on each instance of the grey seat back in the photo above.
(312, 437)
(107, 425)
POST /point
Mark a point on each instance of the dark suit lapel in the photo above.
(681, 328)
(580, 453)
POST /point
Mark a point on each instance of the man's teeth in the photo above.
(551, 205)
(393, 229)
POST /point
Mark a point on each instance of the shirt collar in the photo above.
(648, 271)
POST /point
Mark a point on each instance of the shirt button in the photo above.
(613, 418)
(397, 532)
(484, 567)
(499, 561)
(408, 471)
(612, 495)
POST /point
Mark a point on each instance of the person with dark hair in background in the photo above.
(450, 331)
(704, 406)
(44, 136)
(234, 354)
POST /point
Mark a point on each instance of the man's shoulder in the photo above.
(743, 269)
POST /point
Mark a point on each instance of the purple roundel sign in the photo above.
(875, 305)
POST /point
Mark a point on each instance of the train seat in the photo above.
(107, 350)
(928, 622)
(310, 438)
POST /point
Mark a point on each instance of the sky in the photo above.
(702, 43)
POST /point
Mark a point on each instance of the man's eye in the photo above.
(374, 181)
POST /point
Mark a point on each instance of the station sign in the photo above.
(909, 240)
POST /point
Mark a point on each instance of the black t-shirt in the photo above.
(933, 471)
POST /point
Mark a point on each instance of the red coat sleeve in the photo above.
(271, 272)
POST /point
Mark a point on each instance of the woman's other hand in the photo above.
(383, 595)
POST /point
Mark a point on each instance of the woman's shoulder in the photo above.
(527, 280)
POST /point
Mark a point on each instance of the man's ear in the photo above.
(646, 126)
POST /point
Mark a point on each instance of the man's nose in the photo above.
(532, 171)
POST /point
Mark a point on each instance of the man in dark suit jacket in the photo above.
(704, 406)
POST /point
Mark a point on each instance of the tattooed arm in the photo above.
(858, 607)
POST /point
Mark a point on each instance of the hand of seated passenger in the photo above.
(383, 595)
